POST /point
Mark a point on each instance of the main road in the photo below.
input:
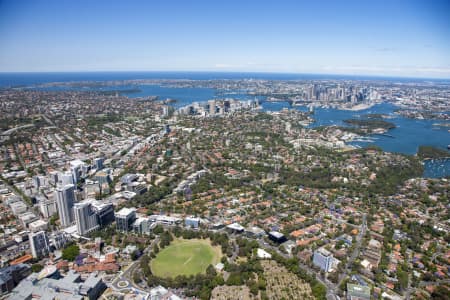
(127, 275)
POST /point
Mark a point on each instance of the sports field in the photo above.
(185, 257)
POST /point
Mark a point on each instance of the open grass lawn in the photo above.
(185, 257)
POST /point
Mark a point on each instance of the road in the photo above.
(47, 119)
(14, 190)
(356, 251)
(437, 282)
(235, 251)
(12, 130)
(332, 288)
(127, 275)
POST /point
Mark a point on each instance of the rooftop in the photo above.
(66, 288)
(124, 212)
(358, 291)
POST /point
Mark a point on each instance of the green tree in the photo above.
(135, 255)
(402, 277)
(319, 291)
(36, 268)
(70, 252)
(210, 271)
(53, 219)
(137, 278)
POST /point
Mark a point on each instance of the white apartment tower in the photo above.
(65, 197)
(85, 217)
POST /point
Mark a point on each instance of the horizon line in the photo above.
(229, 71)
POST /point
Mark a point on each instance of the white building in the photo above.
(26, 218)
(77, 168)
(142, 225)
(325, 260)
(38, 225)
(47, 207)
(65, 178)
(59, 239)
(85, 217)
(18, 207)
(263, 254)
(65, 197)
(125, 218)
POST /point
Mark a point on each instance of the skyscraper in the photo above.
(76, 169)
(46, 206)
(98, 163)
(85, 217)
(39, 244)
(66, 178)
(212, 107)
(65, 197)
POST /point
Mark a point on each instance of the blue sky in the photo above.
(396, 37)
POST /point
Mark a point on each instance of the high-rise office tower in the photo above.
(104, 212)
(98, 163)
(47, 207)
(212, 107)
(65, 197)
(85, 217)
(78, 169)
(124, 218)
(39, 244)
(65, 178)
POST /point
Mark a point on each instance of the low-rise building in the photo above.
(26, 218)
(255, 232)
(11, 276)
(277, 237)
(69, 287)
(142, 225)
(192, 222)
(357, 292)
(38, 225)
(235, 228)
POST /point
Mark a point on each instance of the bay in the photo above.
(408, 135)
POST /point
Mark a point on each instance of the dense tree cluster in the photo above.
(431, 152)
(154, 194)
(70, 252)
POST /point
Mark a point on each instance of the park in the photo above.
(185, 257)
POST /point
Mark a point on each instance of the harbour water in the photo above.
(408, 135)
(436, 168)
(406, 138)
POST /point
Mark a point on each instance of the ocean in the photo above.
(28, 78)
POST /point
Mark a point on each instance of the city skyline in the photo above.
(404, 38)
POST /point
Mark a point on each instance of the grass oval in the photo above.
(185, 257)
